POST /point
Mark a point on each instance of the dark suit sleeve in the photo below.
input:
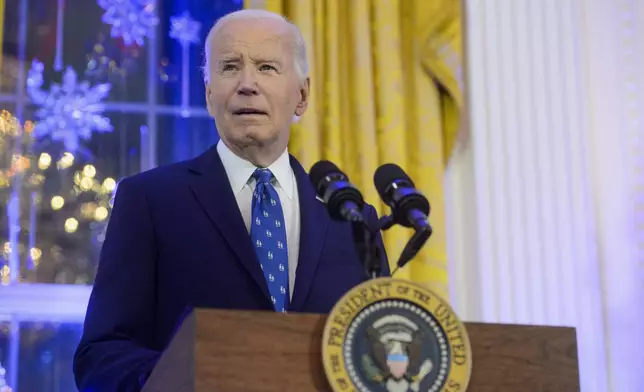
(115, 352)
(372, 220)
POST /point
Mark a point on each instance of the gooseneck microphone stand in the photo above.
(370, 252)
(368, 249)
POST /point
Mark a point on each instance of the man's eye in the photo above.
(229, 67)
(266, 67)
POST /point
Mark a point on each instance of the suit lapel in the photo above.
(210, 185)
(313, 227)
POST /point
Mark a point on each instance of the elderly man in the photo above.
(238, 227)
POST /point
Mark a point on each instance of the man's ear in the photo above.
(208, 100)
(305, 92)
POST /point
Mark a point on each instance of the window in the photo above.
(55, 199)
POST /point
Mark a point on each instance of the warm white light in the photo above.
(88, 210)
(6, 249)
(86, 183)
(100, 214)
(109, 184)
(44, 161)
(5, 275)
(89, 171)
(66, 161)
(71, 225)
(57, 202)
(35, 254)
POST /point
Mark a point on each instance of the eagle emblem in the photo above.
(384, 336)
(395, 360)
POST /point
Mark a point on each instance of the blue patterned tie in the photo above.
(268, 233)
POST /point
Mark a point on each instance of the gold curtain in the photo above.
(382, 91)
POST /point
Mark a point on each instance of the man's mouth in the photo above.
(249, 112)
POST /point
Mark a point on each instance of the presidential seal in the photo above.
(390, 335)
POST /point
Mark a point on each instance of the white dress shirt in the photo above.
(240, 173)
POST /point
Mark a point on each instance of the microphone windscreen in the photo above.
(387, 174)
(320, 170)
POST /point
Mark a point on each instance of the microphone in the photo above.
(409, 207)
(343, 200)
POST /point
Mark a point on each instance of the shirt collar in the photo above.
(239, 170)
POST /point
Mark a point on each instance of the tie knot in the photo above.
(263, 175)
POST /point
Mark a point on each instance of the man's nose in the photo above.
(247, 83)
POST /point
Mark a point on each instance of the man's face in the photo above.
(254, 89)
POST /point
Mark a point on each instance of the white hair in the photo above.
(299, 46)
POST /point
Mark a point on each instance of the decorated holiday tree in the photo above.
(58, 205)
(72, 210)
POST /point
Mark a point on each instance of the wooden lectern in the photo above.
(235, 351)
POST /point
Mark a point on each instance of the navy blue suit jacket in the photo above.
(176, 240)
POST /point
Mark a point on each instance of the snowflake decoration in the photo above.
(131, 20)
(70, 111)
(185, 29)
